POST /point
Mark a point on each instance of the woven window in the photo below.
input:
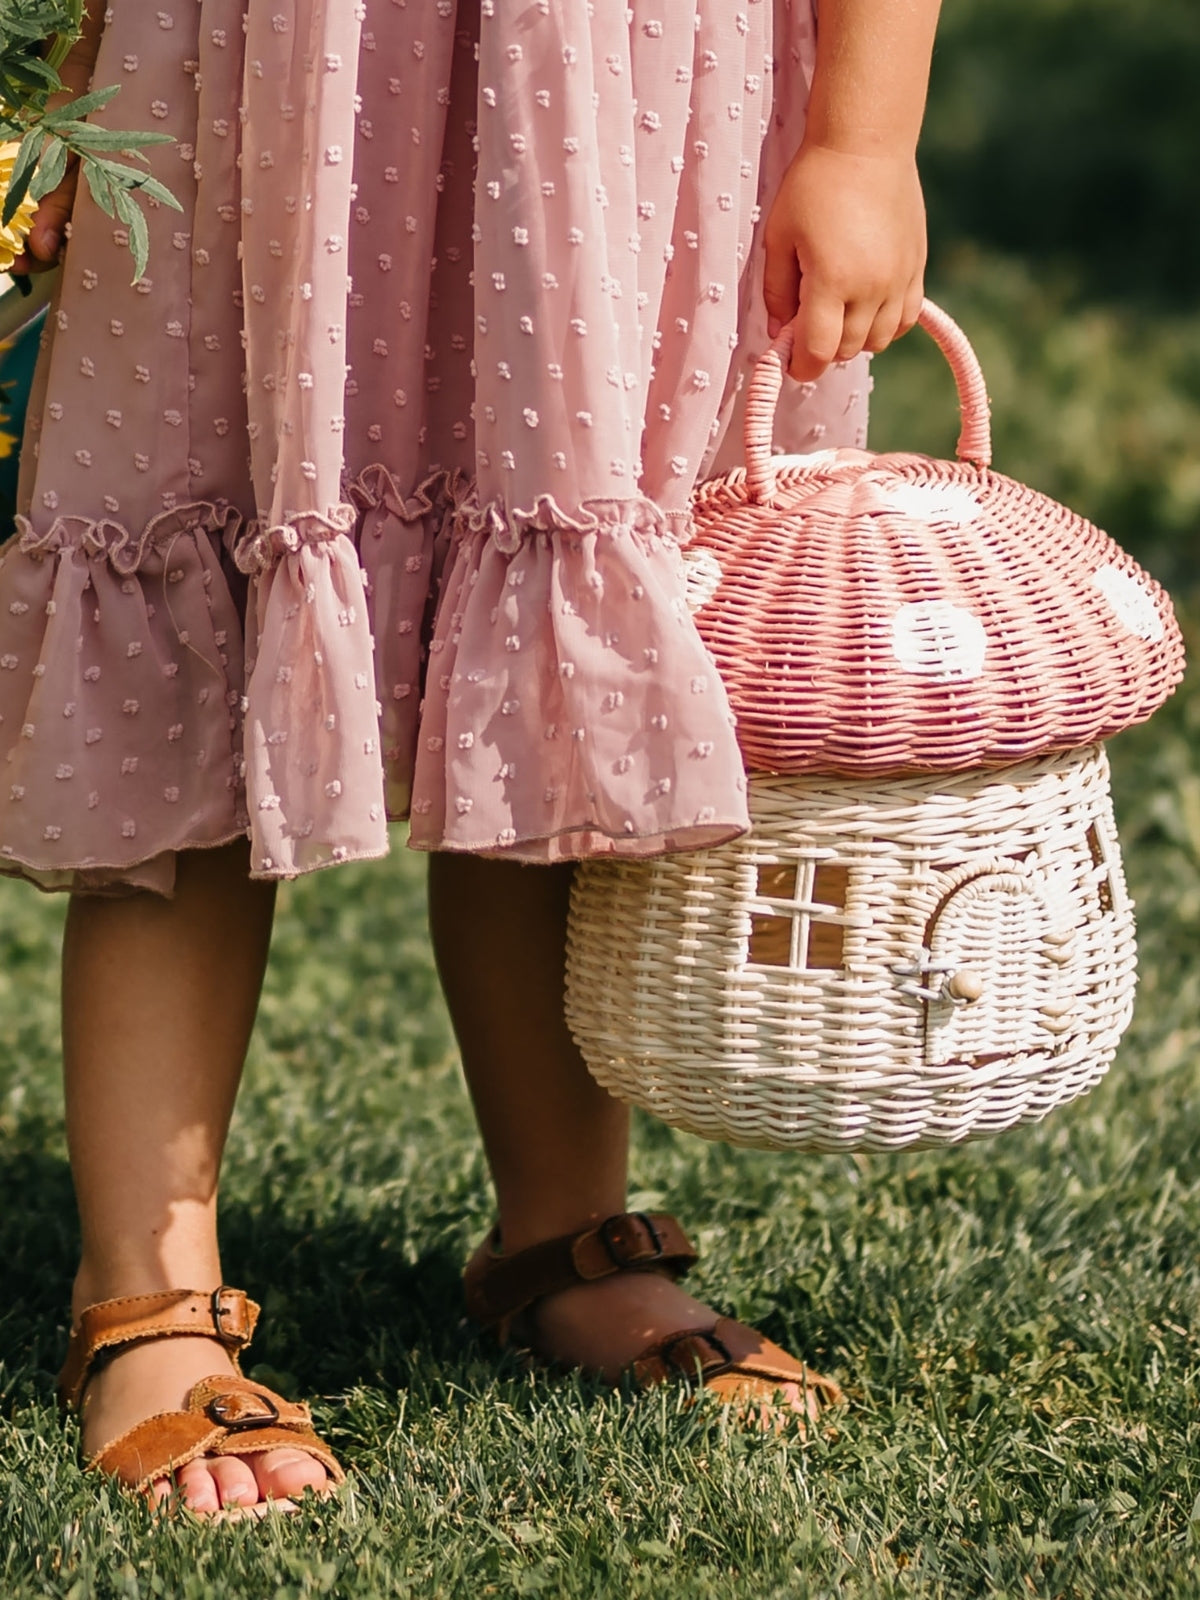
(803, 929)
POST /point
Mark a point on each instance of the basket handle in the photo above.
(975, 436)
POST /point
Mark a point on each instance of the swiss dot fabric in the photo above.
(368, 499)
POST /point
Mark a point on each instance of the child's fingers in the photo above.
(43, 247)
(914, 298)
(49, 231)
(860, 319)
(51, 221)
(885, 327)
(781, 284)
(819, 331)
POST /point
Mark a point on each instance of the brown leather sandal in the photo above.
(222, 1415)
(729, 1358)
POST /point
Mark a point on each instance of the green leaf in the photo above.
(51, 169)
(76, 110)
(97, 182)
(152, 189)
(85, 135)
(35, 67)
(22, 91)
(22, 173)
(133, 178)
(139, 234)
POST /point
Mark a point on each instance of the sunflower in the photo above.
(12, 237)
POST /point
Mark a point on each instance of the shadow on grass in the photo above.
(347, 1301)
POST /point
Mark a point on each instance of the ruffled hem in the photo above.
(556, 703)
(115, 879)
(314, 773)
(119, 720)
(132, 727)
(403, 541)
(570, 707)
(585, 843)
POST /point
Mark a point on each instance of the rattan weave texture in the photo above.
(894, 613)
(975, 969)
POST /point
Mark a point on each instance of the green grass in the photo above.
(1014, 1321)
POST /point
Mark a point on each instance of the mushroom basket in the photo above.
(925, 936)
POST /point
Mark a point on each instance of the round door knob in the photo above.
(965, 985)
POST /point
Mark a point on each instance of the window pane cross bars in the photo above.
(803, 929)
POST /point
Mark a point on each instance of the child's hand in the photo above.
(845, 244)
(44, 243)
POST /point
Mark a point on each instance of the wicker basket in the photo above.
(878, 963)
(896, 954)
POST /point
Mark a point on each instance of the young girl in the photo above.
(457, 308)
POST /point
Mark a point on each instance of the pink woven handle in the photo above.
(975, 436)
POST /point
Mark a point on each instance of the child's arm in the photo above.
(846, 233)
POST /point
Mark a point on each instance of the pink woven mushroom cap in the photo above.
(894, 613)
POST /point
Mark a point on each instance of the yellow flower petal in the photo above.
(12, 238)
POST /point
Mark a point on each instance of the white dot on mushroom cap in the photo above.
(937, 503)
(939, 640)
(1131, 601)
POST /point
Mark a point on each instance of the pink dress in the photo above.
(368, 499)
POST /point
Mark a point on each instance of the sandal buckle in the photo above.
(220, 1309)
(697, 1369)
(239, 1413)
(607, 1235)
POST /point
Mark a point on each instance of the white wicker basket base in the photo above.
(905, 961)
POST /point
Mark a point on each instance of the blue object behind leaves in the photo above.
(18, 356)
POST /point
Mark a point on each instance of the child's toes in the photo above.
(236, 1483)
(285, 1474)
(161, 1490)
(198, 1489)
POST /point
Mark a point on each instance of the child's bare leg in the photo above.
(556, 1142)
(159, 999)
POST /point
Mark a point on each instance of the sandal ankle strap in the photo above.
(498, 1287)
(227, 1315)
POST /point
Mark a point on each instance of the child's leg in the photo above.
(159, 999)
(556, 1142)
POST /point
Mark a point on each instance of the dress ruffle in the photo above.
(119, 698)
(570, 706)
(543, 719)
(402, 541)
(314, 781)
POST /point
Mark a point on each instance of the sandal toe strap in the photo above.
(256, 1419)
(732, 1360)
(222, 1415)
(156, 1448)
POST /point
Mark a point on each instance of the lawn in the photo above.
(1014, 1321)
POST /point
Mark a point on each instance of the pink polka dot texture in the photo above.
(369, 498)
